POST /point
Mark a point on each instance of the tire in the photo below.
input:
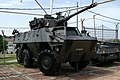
(19, 56)
(47, 63)
(81, 64)
(111, 61)
(28, 62)
(95, 61)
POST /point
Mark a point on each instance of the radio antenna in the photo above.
(40, 6)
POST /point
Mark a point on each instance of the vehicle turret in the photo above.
(49, 21)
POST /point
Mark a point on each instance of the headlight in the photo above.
(103, 51)
(57, 49)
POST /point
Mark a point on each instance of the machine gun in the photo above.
(49, 21)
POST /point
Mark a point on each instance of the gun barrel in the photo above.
(106, 1)
(86, 8)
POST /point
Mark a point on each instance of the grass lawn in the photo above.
(8, 57)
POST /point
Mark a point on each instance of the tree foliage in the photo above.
(1, 43)
(116, 40)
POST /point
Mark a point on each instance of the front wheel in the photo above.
(81, 64)
(47, 63)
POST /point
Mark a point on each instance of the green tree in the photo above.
(116, 40)
(1, 43)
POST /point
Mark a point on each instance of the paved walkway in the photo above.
(109, 72)
(9, 73)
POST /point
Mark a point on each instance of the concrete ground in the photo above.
(104, 72)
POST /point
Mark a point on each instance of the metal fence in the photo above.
(103, 33)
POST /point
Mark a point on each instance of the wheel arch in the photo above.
(45, 46)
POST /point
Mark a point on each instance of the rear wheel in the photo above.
(28, 62)
(81, 64)
(95, 61)
(19, 56)
(47, 63)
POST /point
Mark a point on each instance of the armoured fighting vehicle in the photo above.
(106, 52)
(51, 42)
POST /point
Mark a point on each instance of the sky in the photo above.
(8, 21)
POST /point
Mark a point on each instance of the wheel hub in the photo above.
(46, 63)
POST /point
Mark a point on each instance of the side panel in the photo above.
(74, 51)
(39, 35)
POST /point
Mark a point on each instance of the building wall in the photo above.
(10, 45)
